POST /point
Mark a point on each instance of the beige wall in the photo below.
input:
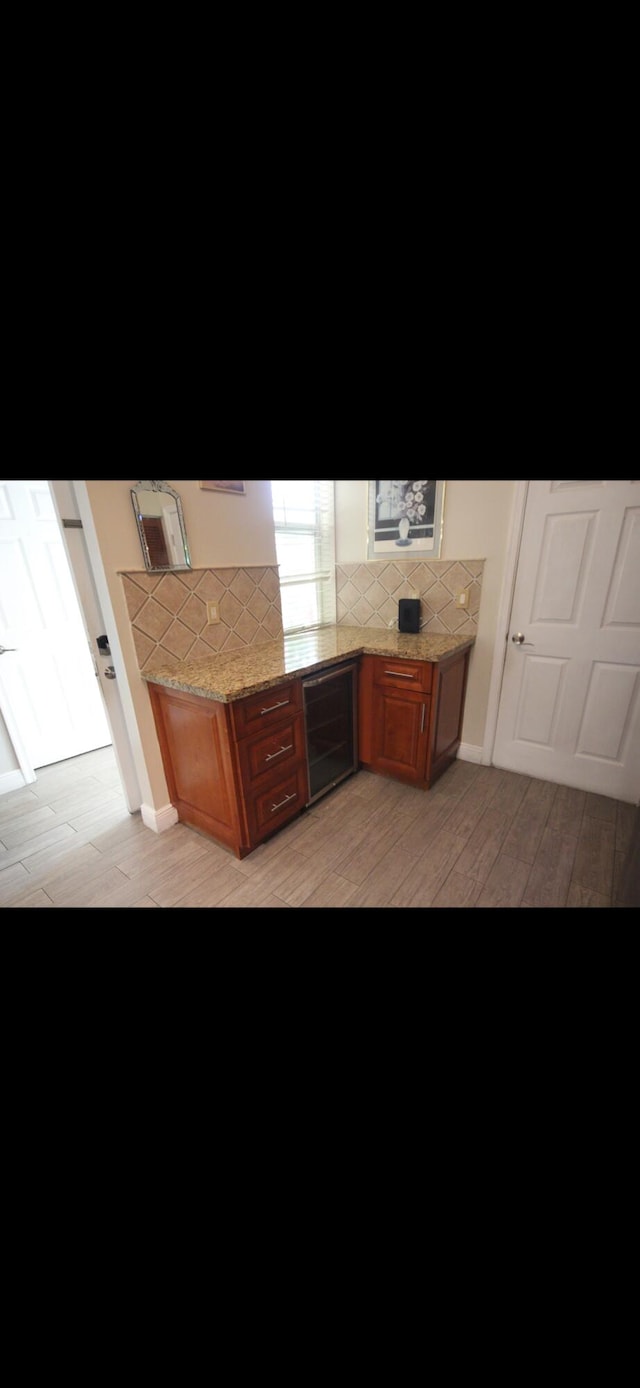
(476, 526)
(222, 528)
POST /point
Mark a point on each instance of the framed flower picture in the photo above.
(405, 520)
(238, 487)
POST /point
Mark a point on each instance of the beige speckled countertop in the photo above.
(229, 677)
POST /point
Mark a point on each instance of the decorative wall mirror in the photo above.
(158, 513)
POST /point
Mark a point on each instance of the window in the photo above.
(303, 514)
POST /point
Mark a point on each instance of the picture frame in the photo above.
(240, 488)
(405, 520)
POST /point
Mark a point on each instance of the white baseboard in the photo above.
(467, 751)
(159, 820)
(11, 780)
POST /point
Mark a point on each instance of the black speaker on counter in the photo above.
(409, 614)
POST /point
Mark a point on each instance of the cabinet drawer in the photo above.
(263, 710)
(268, 751)
(270, 809)
(393, 673)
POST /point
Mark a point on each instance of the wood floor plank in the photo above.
(168, 888)
(169, 851)
(15, 804)
(386, 877)
(35, 899)
(550, 876)
(333, 891)
(99, 891)
(28, 826)
(467, 814)
(356, 864)
(330, 841)
(24, 851)
(426, 875)
(594, 860)
(279, 873)
(431, 818)
(506, 883)
(371, 842)
(458, 890)
(13, 881)
(567, 810)
(523, 838)
(62, 852)
(78, 865)
(307, 877)
(509, 793)
(627, 818)
(458, 778)
(484, 844)
(76, 801)
(584, 896)
(601, 807)
(213, 889)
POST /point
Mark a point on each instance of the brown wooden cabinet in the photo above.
(236, 771)
(410, 714)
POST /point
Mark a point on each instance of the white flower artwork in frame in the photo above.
(405, 519)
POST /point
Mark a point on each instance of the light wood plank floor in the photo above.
(481, 837)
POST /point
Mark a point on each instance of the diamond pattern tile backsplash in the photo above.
(368, 594)
(168, 612)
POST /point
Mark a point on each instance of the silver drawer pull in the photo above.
(283, 704)
(272, 755)
(422, 719)
(286, 800)
(400, 674)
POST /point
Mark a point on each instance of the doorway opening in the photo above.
(51, 701)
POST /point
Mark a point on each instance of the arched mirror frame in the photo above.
(158, 539)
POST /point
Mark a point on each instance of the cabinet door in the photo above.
(199, 766)
(400, 734)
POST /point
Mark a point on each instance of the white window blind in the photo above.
(303, 514)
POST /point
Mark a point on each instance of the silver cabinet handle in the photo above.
(283, 704)
(4, 649)
(400, 674)
(422, 719)
(286, 800)
(272, 755)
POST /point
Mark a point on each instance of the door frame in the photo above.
(516, 527)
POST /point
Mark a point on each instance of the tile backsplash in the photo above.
(168, 612)
(368, 594)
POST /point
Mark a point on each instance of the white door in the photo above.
(570, 702)
(49, 680)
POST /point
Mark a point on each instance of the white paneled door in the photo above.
(570, 702)
(47, 675)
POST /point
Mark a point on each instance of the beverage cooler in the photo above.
(330, 704)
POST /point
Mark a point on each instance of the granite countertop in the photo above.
(228, 677)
